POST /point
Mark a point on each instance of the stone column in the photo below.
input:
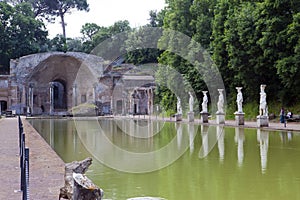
(23, 97)
(95, 92)
(111, 104)
(51, 98)
(123, 103)
(74, 95)
(30, 100)
(131, 104)
(138, 106)
(152, 102)
(149, 101)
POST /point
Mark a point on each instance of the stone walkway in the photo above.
(46, 168)
(9, 160)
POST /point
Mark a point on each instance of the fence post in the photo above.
(26, 175)
(20, 133)
(22, 161)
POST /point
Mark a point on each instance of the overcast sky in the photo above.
(105, 13)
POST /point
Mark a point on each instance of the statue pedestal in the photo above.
(262, 121)
(239, 118)
(178, 117)
(204, 117)
(191, 116)
(220, 118)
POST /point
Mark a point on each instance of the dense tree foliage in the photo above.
(20, 33)
(251, 42)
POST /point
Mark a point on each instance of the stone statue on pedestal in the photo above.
(263, 108)
(179, 108)
(204, 103)
(191, 102)
(221, 101)
(239, 100)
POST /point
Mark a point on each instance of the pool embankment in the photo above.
(46, 169)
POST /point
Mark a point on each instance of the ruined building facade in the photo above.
(55, 83)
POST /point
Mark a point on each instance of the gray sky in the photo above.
(105, 13)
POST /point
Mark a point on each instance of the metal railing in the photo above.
(24, 161)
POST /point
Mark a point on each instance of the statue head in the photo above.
(262, 87)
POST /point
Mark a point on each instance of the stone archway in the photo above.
(37, 75)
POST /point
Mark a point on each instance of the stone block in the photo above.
(262, 121)
(178, 117)
(204, 117)
(239, 118)
(191, 116)
(220, 118)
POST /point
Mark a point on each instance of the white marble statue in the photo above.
(179, 108)
(191, 102)
(205, 101)
(239, 99)
(221, 101)
(263, 108)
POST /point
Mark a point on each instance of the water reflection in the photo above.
(209, 178)
(220, 136)
(191, 131)
(239, 138)
(178, 127)
(263, 138)
(204, 134)
(286, 136)
(139, 151)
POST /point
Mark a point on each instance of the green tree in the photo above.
(58, 8)
(20, 33)
(177, 18)
(273, 19)
(88, 30)
(202, 16)
(288, 66)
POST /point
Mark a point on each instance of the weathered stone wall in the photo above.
(55, 82)
(41, 69)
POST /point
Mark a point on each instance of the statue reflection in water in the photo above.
(239, 139)
(204, 150)
(191, 131)
(178, 127)
(263, 139)
(220, 137)
(211, 137)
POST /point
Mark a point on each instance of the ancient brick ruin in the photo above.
(55, 82)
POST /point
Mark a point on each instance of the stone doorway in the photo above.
(59, 95)
(3, 106)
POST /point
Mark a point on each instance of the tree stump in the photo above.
(77, 167)
(85, 189)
